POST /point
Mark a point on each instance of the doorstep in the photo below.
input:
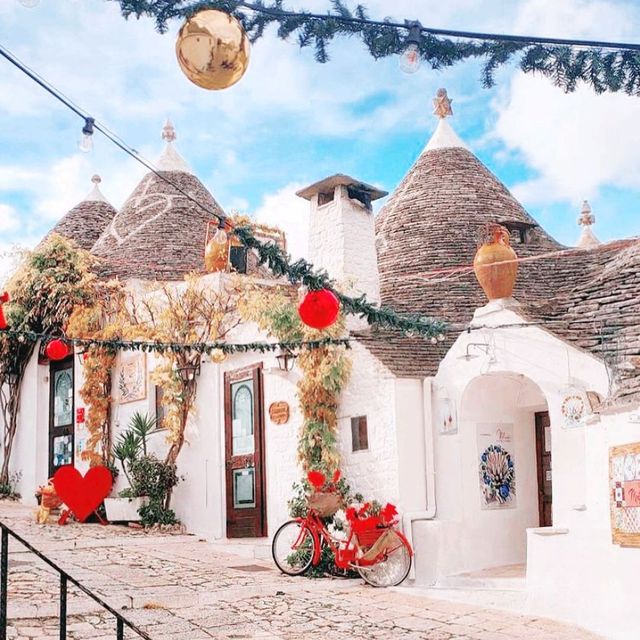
(256, 548)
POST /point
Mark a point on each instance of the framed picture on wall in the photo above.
(496, 465)
(624, 494)
(131, 377)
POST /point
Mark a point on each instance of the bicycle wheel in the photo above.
(293, 548)
(392, 570)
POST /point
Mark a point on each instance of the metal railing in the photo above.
(65, 579)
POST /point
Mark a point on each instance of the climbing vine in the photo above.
(51, 282)
(325, 372)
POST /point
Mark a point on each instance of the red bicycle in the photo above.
(374, 547)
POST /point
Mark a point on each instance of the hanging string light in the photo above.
(410, 59)
(86, 142)
(604, 66)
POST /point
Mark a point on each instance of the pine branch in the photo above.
(616, 69)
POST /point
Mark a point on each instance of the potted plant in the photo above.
(128, 450)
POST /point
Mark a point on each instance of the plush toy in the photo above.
(3, 298)
(49, 500)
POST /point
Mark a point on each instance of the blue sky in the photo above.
(291, 121)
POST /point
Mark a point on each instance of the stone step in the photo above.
(256, 548)
(487, 583)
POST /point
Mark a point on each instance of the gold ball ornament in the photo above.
(213, 49)
(218, 356)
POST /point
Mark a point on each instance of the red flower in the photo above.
(336, 476)
(389, 512)
(351, 514)
(317, 479)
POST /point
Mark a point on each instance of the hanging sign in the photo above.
(624, 494)
(279, 412)
(80, 415)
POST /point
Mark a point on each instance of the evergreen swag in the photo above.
(605, 67)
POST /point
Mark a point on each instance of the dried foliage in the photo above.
(51, 282)
(325, 372)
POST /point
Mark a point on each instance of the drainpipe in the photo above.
(429, 513)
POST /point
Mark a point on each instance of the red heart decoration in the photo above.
(82, 495)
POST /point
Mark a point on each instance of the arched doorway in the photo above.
(506, 454)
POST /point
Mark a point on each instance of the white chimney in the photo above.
(342, 233)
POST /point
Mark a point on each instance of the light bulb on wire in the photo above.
(29, 4)
(86, 142)
(410, 58)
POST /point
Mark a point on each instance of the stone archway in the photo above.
(499, 449)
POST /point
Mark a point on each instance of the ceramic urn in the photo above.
(495, 266)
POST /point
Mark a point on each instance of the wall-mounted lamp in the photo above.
(286, 359)
(478, 345)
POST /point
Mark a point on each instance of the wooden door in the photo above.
(61, 410)
(543, 450)
(244, 459)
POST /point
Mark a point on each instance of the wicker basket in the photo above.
(324, 504)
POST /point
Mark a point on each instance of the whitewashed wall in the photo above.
(551, 366)
(579, 574)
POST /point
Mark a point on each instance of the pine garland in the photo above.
(301, 272)
(603, 66)
(149, 346)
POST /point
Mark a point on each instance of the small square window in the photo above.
(359, 435)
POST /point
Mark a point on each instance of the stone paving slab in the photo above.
(176, 586)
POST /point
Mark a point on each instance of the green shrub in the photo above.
(8, 490)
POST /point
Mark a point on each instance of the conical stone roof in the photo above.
(88, 219)
(434, 220)
(159, 233)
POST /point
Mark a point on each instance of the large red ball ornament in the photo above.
(319, 309)
(57, 350)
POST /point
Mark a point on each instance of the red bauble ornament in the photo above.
(57, 350)
(319, 309)
(3, 298)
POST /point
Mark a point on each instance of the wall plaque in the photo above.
(279, 412)
(624, 494)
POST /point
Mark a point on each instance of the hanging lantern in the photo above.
(213, 49)
(3, 321)
(319, 309)
(496, 278)
(216, 250)
(57, 350)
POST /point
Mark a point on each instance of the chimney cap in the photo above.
(330, 183)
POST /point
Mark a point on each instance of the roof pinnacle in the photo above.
(95, 195)
(587, 238)
(442, 104)
(168, 131)
(444, 136)
(586, 218)
(170, 159)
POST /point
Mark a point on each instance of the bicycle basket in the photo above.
(368, 530)
(324, 504)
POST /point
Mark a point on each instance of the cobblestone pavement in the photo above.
(176, 586)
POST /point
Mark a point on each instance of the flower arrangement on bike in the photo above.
(372, 545)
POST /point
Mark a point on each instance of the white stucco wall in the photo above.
(466, 535)
(342, 241)
(580, 574)
(476, 537)
(31, 445)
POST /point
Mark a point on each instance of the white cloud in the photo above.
(576, 143)
(285, 210)
(8, 219)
